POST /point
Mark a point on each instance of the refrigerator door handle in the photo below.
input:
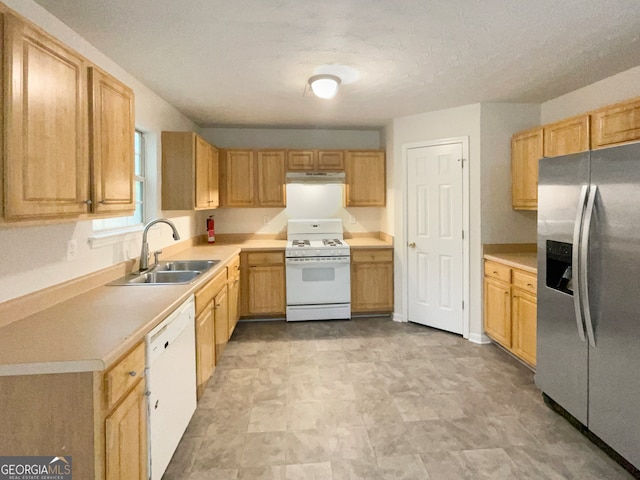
(575, 261)
(584, 264)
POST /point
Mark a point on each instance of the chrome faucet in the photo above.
(144, 253)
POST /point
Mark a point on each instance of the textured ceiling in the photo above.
(246, 62)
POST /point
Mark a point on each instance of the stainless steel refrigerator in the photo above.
(588, 357)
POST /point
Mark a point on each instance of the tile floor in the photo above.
(374, 399)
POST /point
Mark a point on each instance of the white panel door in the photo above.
(435, 253)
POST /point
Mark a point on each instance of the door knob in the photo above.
(412, 245)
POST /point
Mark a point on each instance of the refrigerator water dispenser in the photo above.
(559, 270)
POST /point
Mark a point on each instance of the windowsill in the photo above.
(111, 237)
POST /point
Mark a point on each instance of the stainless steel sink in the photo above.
(174, 272)
(197, 265)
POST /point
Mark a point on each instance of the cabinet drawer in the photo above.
(206, 293)
(525, 281)
(265, 258)
(497, 270)
(124, 374)
(372, 255)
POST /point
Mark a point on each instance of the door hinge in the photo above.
(463, 234)
(461, 160)
(463, 304)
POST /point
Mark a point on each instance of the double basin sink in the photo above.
(173, 272)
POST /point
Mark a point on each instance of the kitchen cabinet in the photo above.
(190, 171)
(567, 136)
(253, 178)
(510, 307)
(221, 319)
(365, 171)
(315, 160)
(211, 337)
(371, 280)
(233, 287)
(526, 150)
(614, 124)
(262, 279)
(99, 418)
(71, 137)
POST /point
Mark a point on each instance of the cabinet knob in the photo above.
(133, 373)
(88, 202)
(412, 245)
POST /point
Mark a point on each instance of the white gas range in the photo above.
(318, 270)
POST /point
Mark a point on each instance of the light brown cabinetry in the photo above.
(366, 179)
(253, 178)
(221, 319)
(263, 283)
(315, 160)
(567, 136)
(619, 123)
(71, 136)
(526, 151)
(510, 309)
(190, 170)
(371, 280)
(233, 286)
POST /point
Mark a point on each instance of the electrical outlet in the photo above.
(72, 250)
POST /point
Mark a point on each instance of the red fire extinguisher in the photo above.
(211, 233)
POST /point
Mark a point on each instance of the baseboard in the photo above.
(479, 338)
(397, 317)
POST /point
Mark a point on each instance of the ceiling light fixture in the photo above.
(324, 85)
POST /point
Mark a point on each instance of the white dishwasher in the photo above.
(171, 384)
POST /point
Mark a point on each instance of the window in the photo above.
(138, 215)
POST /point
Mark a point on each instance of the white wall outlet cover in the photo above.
(72, 250)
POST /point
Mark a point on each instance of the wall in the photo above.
(454, 122)
(34, 257)
(613, 89)
(274, 220)
(500, 222)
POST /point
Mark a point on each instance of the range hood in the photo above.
(316, 177)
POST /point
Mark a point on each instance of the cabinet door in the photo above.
(270, 170)
(126, 438)
(616, 124)
(214, 177)
(111, 137)
(266, 293)
(497, 311)
(238, 178)
(331, 160)
(372, 287)
(567, 136)
(45, 103)
(221, 320)
(365, 179)
(203, 173)
(205, 348)
(300, 160)
(523, 312)
(526, 151)
(234, 298)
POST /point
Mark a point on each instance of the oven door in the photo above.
(318, 280)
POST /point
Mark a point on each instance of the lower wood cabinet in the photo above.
(263, 283)
(233, 287)
(510, 308)
(371, 280)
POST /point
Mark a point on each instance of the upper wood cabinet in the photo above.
(111, 138)
(189, 172)
(366, 179)
(315, 160)
(68, 128)
(46, 168)
(619, 123)
(253, 178)
(526, 151)
(567, 136)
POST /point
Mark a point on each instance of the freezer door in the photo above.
(614, 291)
(561, 364)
